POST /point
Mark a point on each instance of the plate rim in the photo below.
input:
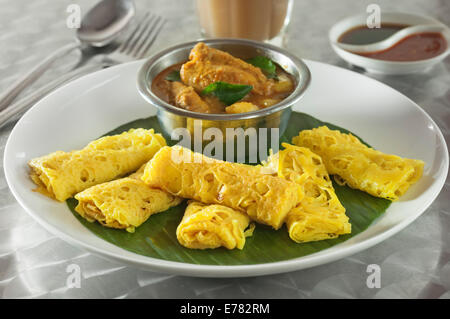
(222, 271)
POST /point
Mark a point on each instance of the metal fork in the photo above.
(139, 41)
(136, 46)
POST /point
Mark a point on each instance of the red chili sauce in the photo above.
(419, 46)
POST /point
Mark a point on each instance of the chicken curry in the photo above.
(214, 81)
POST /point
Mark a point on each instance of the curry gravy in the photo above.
(161, 87)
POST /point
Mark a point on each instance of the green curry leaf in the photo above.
(265, 64)
(226, 92)
(174, 76)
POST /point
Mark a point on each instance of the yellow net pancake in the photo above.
(319, 215)
(266, 199)
(125, 203)
(211, 226)
(61, 175)
(361, 167)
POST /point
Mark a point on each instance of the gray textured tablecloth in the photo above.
(415, 263)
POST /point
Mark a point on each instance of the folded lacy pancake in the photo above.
(359, 166)
(319, 215)
(266, 199)
(125, 203)
(211, 226)
(60, 175)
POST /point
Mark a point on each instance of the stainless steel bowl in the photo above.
(172, 117)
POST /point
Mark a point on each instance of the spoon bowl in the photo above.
(105, 21)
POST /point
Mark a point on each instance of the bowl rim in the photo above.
(365, 59)
(146, 92)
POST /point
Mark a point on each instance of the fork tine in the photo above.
(130, 35)
(129, 45)
(145, 35)
(152, 38)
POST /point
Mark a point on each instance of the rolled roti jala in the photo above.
(266, 199)
(359, 166)
(60, 175)
(211, 226)
(319, 215)
(125, 203)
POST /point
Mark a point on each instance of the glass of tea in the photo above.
(261, 20)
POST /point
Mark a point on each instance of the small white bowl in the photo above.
(382, 66)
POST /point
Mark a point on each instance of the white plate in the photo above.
(83, 110)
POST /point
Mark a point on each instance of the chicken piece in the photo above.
(241, 107)
(186, 98)
(208, 65)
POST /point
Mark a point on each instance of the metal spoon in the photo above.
(99, 27)
(393, 39)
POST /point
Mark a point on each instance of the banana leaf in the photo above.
(156, 237)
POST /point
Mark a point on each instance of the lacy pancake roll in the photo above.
(359, 166)
(125, 203)
(211, 226)
(266, 199)
(319, 215)
(61, 175)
